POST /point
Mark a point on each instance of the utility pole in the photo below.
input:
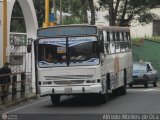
(46, 23)
(55, 11)
(5, 31)
(60, 12)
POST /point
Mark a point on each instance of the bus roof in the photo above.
(76, 30)
(112, 28)
(67, 30)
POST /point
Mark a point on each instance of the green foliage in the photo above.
(71, 20)
(137, 41)
(126, 11)
(153, 38)
(17, 19)
(140, 41)
(40, 10)
(74, 7)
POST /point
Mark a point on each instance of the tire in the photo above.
(130, 85)
(115, 92)
(146, 84)
(104, 98)
(155, 84)
(123, 89)
(55, 99)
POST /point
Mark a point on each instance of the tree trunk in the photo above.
(111, 13)
(84, 11)
(122, 21)
(91, 5)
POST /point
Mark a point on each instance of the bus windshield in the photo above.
(71, 51)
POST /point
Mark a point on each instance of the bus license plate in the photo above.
(68, 90)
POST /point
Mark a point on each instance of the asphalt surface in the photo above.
(138, 100)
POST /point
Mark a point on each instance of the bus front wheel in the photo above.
(104, 98)
(55, 99)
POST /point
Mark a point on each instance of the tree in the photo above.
(40, 10)
(92, 9)
(123, 12)
(17, 19)
(77, 8)
(84, 10)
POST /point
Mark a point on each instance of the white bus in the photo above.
(83, 59)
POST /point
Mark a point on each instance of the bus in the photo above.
(83, 60)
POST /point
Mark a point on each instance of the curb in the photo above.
(12, 104)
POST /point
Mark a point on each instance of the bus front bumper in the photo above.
(70, 90)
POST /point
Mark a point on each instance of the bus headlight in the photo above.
(90, 81)
(47, 83)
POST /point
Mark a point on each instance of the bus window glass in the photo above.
(105, 36)
(83, 51)
(122, 45)
(121, 36)
(117, 36)
(125, 36)
(112, 47)
(111, 36)
(107, 48)
(117, 47)
(108, 37)
(128, 36)
(52, 52)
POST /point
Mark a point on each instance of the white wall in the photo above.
(1, 34)
(146, 30)
(31, 27)
(141, 31)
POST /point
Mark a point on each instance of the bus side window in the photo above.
(108, 36)
(107, 48)
(105, 36)
(101, 41)
(117, 36)
(114, 36)
(111, 36)
(112, 42)
(125, 36)
(122, 43)
(117, 43)
(128, 41)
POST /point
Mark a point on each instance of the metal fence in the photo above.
(20, 60)
(9, 91)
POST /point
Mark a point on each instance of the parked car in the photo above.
(144, 73)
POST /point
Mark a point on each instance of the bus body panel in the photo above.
(76, 78)
(109, 70)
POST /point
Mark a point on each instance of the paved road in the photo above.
(137, 100)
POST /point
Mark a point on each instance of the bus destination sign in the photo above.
(66, 31)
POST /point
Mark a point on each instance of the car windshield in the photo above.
(139, 67)
(80, 51)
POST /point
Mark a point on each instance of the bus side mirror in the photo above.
(29, 48)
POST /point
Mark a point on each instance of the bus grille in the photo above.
(71, 82)
(69, 77)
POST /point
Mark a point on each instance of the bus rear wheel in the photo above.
(123, 89)
(55, 99)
